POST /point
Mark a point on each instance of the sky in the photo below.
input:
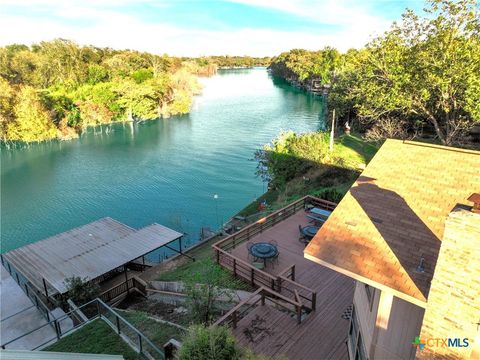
(199, 27)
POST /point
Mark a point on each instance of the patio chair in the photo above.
(304, 239)
(275, 259)
(250, 256)
(259, 265)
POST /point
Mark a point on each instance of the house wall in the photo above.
(387, 334)
(404, 324)
(453, 309)
(366, 317)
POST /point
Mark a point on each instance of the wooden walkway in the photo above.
(323, 333)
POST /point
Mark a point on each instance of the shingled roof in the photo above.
(395, 214)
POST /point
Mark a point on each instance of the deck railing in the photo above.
(38, 299)
(262, 295)
(91, 311)
(284, 283)
(123, 288)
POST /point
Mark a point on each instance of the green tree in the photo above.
(425, 70)
(204, 289)
(213, 343)
(7, 106)
(32, 121)
(81, 290)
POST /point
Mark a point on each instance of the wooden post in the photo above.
(332, 132)
(299, 314)
(263, 298)
(218, 256)
(234, 267)
(314, 300)
(252, 276)
(279, 283)
(234, 319)
(126, 276)
(180, 245)
(293, 272)
(143, 260)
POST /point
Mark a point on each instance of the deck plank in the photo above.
(322, 334)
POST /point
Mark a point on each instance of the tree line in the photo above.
(420, 77)
(55, 89)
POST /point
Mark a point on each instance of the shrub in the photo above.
(81, 290)
(213, 343)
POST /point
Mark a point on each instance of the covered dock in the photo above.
(90, 251)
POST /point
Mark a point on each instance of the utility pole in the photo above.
(332, 132)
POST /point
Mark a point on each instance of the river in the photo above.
(165, 171)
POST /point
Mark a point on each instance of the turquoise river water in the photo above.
(165, 171)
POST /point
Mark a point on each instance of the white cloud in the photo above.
(102, 25)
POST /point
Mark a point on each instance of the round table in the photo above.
(310, 230)
(263, 250)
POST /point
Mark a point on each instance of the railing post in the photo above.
(234, 319)
(218, 256)
(293, 272)
(45, 287)
(314, 300)
(234, 267)
(140, 344)
(252, 276)
(118, 324)
(279, 283)
(9, 268)
(299, 314)
(273, 284)
(26, 290)
(98, 310)
(263, 298)
(55, 323)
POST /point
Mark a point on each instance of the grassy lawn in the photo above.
(203, 261)
(328, 181)
(95, 338)
(158, 332)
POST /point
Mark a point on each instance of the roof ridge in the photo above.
(441, 147)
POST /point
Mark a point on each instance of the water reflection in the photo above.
(164, 171)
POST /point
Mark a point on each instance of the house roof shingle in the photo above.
(394, 215)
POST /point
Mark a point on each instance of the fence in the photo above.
(262, 295)
(282, 283)
(124, 288)
(87, 313)
(42, 303)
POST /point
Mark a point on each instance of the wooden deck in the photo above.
(323, 333)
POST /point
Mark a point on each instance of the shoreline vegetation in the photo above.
(54, 90)
(418, 80)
